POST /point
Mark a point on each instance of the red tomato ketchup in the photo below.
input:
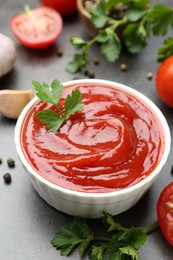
(114, 142)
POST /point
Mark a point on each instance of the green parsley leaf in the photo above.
(129, 251)
(75, 234)
(134, 14)
(48, 94)
(135, 237)
(98, 15)
(111, 49)
(79, 62)
(102, 37)
(115, 255)
(110, 46)
(51, 119)
(135, 37)
(72, 104)
(162, 18)
(142, 4)
(109, 222)
(131, 238)
(112, 3)
(97, 253)
(77, 42)
(74, 65)
(166, 50)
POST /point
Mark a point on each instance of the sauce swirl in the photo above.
(114, 142)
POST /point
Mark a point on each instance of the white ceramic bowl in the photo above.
(92, 204)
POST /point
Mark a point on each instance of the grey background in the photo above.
(27, 223)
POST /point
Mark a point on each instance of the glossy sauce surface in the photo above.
(112, 143)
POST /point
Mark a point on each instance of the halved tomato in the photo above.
(37, 28)
(165, 212)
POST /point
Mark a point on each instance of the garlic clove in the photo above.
(12, 102)
(7, 54)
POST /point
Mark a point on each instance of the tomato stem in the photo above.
(152, 227)
(28, 9)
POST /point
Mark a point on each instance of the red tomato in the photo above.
(38, 28)
(164, 81)
(62, 6)
(165, 212)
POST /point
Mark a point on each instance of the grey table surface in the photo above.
(27, 223)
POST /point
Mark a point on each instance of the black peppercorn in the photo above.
(172, 170)
(7, 178)
(11, 162)
(86, 72)
(59, 52)
(91, 74)
(0, 160)
(96, 61)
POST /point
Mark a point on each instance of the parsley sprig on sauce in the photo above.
(139, 21)
(52, 94)
(120, 243)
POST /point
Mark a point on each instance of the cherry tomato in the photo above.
(164, 81)
(165, 212)
(62, 6)
(37, 28)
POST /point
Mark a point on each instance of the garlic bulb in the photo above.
(7, 54)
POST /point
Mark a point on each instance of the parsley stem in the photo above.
(112, 26)
(59, 110)
(117, 23)
(92, 41)
(152, 227)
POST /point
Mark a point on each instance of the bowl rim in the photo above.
(82, 9)
(144, 99)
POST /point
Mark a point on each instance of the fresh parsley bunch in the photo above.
(120, 243)
(138, 22)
